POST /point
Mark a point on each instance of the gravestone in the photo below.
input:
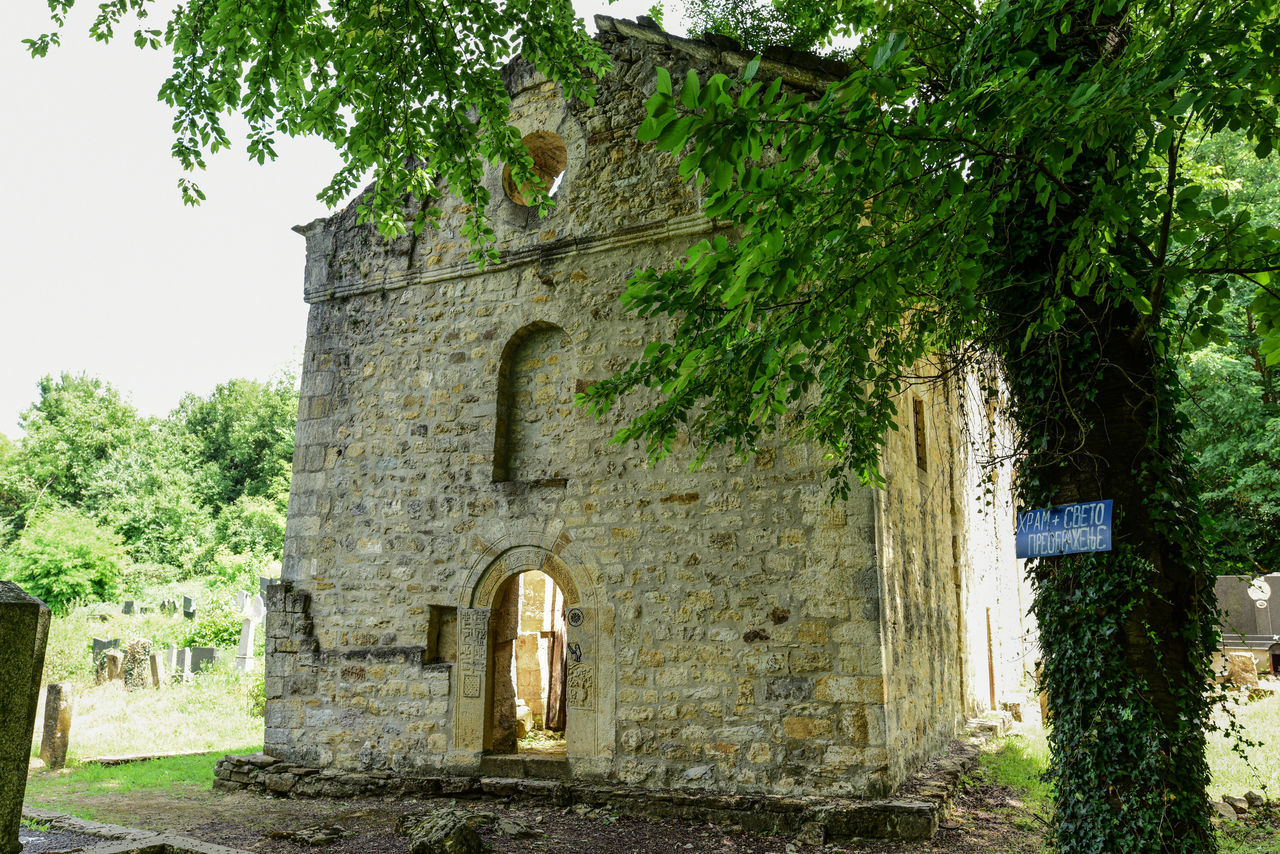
(244, 654)
(145, 609)
(128, 607)
(157, 669)
(136, 667)
(201, 657)
(171, 657)
(187, 604)
(256, 609)
(114, 661)
(263, 584)
(59, 703)
(241, 599)
(182, 666)
(100, 648)
(24, 629)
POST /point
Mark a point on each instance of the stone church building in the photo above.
(467, 554)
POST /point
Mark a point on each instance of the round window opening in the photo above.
(550, 158)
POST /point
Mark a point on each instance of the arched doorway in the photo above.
(1274, 651)
(589, 668)
(527, 701)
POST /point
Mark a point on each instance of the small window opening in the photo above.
(922, 450)
(442, 635)
(550, 158)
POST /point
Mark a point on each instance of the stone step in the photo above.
(516, 766)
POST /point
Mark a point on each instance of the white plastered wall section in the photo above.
(995, 583)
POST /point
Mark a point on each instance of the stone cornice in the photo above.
(646, 233)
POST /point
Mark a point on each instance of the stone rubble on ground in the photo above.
(1233, 807)
(447, 831)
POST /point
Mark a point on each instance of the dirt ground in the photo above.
(988, 820)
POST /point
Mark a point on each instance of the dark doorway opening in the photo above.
(527, 714)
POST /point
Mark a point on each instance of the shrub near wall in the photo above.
(63, 556)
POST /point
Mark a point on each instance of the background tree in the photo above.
(242, 440)
(149, 494)
(1233, 394)
(72, 430)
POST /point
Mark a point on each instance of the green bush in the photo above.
(64, 556)
(217, 623)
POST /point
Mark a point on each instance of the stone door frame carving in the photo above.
(591, 698)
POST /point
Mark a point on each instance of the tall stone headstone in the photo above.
(136, 667)
(182, 666)
(256, 609)
(157, 669)
(24, 629)
(59, 703)
(244, 654)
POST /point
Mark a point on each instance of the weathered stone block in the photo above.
(59, 704)
(24, 629)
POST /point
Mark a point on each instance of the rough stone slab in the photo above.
(141, 757)
(125, 840)
(911, 816)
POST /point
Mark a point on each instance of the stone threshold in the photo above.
(911, 815)
(124, 840)
(525, 766)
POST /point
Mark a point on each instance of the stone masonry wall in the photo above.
(764, 641)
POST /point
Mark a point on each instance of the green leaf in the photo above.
(689, 94)
(664, 81)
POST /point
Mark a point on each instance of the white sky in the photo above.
(103, 270)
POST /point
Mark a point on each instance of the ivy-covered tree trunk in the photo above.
(1127, 634)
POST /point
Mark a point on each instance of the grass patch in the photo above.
(1019, 761)
(1233, 774)
(67, 790)
(1262, 836)
(217, 708)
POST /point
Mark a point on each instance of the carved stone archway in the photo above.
(591, 695)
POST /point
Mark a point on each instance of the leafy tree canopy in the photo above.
(1008, 179)
(72, 430)
(242, 440)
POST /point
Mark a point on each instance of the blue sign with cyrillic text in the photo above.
(1065, 529)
